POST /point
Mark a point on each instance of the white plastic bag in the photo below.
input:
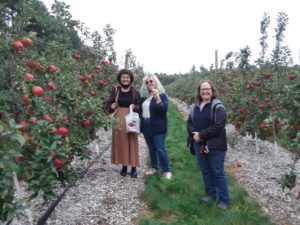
(132, 120)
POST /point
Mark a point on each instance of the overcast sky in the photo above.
(170, 36)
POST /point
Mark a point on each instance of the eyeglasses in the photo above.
(149, 82)
(205, 89)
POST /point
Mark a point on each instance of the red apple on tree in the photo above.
(37, 91)
(104, 62)
(58, 163)
(93, 93)
(82, 78)
(257, 83)
(88, 113)
(87, 123)
(77, 56)
(25, 99)
(101, 82)
(90, 76)
(17, 46)
(28, 76)
(262, 126)
(27, 42)
(48, 118)
(52, 69)
(19, 158)
(51, 85)
(261, 107)
(62, 131)
(267, 75)
(292, 76)
(33, 120)
(98, 68)
(26, 136)
(66, 119)
(23, 125)
(40, 67)
(30, 63)
(242, 110)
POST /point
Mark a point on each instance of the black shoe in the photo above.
(123, 172)
(133, 173)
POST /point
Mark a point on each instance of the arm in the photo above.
(136, 101)
(162, 106)
(110, 103)
(189, 125)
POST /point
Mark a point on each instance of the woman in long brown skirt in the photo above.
(125, 148)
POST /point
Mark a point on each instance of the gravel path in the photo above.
(103, 197)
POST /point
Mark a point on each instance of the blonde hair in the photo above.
(144, 91)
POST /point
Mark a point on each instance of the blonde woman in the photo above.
(154, 124)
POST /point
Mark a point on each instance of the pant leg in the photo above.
(150, 144)
(204, 165)
(159, 144)
(217, 158)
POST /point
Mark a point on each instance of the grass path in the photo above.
(176, 201)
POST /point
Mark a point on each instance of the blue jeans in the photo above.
(156, 146)
(212, 167)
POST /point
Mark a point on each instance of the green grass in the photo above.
(176, 201)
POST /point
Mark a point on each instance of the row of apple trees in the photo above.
(52, 94)
(263, 100)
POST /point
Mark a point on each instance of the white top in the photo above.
(146, 107)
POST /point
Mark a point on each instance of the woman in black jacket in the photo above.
(206, 128)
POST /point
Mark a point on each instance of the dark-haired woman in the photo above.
(125, 149)
(206, 128)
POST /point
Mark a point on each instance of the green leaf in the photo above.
(53, 146)
(18, 138)
(12, 123)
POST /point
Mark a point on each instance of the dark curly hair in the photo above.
(125, 71)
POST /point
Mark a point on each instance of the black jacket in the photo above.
(215, 134)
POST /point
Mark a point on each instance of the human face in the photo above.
(125, 79)
(150, 83)
(205, 92)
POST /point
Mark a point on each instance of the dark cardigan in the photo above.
(113, 97)
(158, 115)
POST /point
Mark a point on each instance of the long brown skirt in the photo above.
(125, 148)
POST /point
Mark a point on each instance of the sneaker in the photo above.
(223, 206)
(167, 175)
(207, 199)
(151, 171)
